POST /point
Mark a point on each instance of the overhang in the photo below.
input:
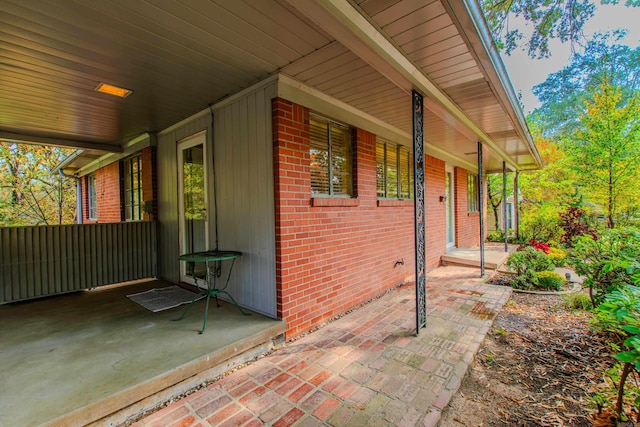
(182, 58)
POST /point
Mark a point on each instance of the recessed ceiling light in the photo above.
(113, 90)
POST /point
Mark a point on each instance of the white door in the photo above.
(192, 199)
(450, 205)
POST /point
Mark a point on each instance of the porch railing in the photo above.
(49, 260)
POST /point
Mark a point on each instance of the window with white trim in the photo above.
(133, 189)
(394, 171)
(473, 201)
(92, 206)
(331, 157)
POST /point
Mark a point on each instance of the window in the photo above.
(133, 189)
(394, 171)
(473, 203)
(91, 197)
(331, 158)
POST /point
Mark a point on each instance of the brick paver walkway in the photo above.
(365, 369)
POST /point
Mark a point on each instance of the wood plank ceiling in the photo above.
(179, 57)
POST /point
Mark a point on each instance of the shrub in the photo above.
(557, 256)
(549, 280)
(620, 313)
(578, 301)
(495, 236)
(541, 222)
(539, 246)
(554, 244)
(607, 263)
(574, 223)
(525, 264)
(529, 259)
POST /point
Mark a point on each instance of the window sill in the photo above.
(473, 213)
(383, 203)
(334, 201)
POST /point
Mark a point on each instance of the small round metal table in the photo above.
(210, 258)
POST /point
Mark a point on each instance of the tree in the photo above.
(30, 193)
(563, 94)
(603, 150)
(495, 195)
(546, 192)
(551, 19)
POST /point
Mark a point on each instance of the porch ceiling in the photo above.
(181, 57)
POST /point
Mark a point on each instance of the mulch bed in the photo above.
(550, 356)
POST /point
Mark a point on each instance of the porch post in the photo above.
(504, 206)
(516, 205)
(481, 208)
(419, 208)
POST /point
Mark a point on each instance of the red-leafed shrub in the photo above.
(539, 246)
(573, 222)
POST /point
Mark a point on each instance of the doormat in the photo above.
(159, 299)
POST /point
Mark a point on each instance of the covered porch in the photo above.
(77, 358)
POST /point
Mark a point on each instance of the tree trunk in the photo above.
(626, 370)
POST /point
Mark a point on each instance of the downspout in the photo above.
(78, 195)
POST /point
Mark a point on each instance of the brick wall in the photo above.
(436, 212)
(107, 195)
(109, 191)
(333, 254)
(467, 224)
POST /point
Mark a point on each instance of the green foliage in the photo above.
(591, 109)
(549, 280)
(30, 194)
(620, 313)
(541, 222)
(563, 93)
(553, 19)
(578, 301)
(603, 149)
(525, 264)
(495, 236)
(557, 256)
(607, 263)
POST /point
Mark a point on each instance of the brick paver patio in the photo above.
(365, 369)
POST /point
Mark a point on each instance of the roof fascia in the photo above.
(470, 22)
(348, 26)
(141, 141)
(57, 142)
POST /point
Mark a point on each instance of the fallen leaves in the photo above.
(551, 354)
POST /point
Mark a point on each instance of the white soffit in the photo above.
(351, 28)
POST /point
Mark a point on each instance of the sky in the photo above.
(525, 72)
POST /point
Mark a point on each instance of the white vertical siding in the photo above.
(243, 170)
(243, 159)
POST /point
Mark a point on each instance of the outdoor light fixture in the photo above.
(113, 90)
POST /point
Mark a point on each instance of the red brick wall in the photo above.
(109, 191)
(332, 258)
(107, 195)
(467, 224)
(436, 213)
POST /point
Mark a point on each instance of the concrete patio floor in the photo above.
(366, 368)
(72, 359)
